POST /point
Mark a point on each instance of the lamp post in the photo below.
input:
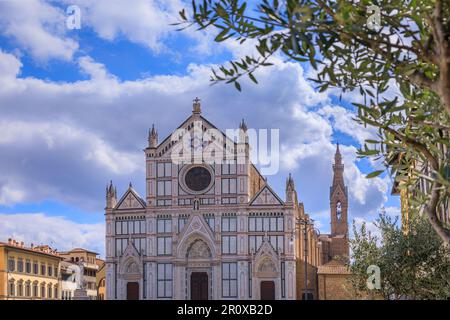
(305, 222)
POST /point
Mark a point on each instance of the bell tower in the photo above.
(339, 209)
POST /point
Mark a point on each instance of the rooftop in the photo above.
(41, 249)
(333, 267)
(78, 250)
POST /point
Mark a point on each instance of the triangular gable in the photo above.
(266, 196)
(338, 188)
(130, 200)
(195, 227)
(266, 260)
(167, 144)
(130, 251)
(266, 249)
(130, 261)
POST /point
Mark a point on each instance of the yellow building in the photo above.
(101, 280)
(407, 193)
(28, 273)
(414, 182)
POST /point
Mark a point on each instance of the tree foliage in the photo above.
(410, 50)
(413, 264)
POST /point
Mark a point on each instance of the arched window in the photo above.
(11, 288)
(339, 210)
(28, 289)
(35, 289)
(43, 291)
(20, 289)
(49, 291)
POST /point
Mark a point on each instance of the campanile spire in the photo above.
(338, 169)
(339, 208)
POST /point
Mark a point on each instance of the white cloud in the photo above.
(393, 212)
(146, 22)
(95, 70)
(37, 27)
(9, 195)
(55, 160)
(9, 65)
(343, 121)
(58, 232)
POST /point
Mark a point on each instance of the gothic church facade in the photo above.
(213, 230)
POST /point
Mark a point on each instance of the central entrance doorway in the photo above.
(199, 286)
(132, 291)
(267, 290)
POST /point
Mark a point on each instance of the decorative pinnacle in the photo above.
(111, 190)
(153, 131)
(290, 183)
(196, 108)
(153, 137)
(243, 125)
(337, 156)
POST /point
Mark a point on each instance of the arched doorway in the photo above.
(133, 291)
(199, 286)
(266, 274)
(267, 290)
(198, 270)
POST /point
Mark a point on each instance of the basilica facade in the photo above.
(214, 229)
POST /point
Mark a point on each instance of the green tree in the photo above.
(413, 264)
(410, 49)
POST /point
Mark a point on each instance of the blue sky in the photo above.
(77, 104)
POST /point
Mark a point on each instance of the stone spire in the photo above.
(291, 193)
(338, 169)
(111, 196)
(196, 108)
(339, 209)
(243, 136)
(337, 155)
(152, 137)
(243, 126)
(290, 183)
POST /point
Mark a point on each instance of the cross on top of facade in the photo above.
(196, 106)
(265, 195)
(130, 200)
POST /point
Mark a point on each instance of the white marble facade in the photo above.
(204, 231)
